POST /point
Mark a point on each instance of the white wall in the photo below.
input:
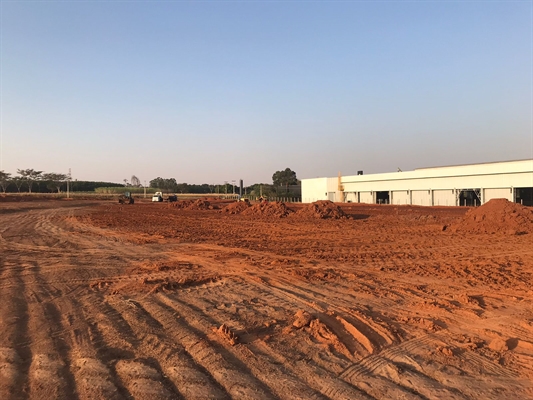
(314, 189)
(441, 180)
(421, 197)
(501, 193)
(444, 197)
(366, 197)
(400, 197)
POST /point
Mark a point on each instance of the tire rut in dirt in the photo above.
(92, 376)
(299, 376)
(230, 373)
(49, 375)
(67, 355)
(15, 354)
(355, 333)
(187, 378)
(279, 379)
(405, 365)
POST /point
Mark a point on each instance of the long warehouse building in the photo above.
(458, 185)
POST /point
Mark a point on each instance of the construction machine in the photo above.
(126, 198)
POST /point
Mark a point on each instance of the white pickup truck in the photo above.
(158, 196)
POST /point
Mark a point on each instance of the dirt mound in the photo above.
(322, 209)
(268, 209)
(496, 216)
(237, 207)
(200, 205)
(181, 204)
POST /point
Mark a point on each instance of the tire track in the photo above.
(279, 379)
(49, 376)
(321, 379)
(14, 357)
(190, 380)
(234, 377)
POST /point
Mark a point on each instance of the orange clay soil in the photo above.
(151, 301)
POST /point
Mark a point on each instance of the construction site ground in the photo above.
(153, 301)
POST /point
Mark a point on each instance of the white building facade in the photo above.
(469, 185)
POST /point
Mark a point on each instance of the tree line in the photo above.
(284, 183)
(33, 181)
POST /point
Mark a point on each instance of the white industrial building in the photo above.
(470, 185)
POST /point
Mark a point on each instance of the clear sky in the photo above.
(214, 91)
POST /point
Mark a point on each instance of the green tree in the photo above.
(157, 183)
(169, 184)
(29, 176)
(54, 181)
(284, 178)
(4, 180)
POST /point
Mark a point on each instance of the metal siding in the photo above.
(421, 197)
(444, 198)
(501, 193)
(366, 197)
(401, 197)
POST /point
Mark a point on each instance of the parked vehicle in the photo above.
(157, 197)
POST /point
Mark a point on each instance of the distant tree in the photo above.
(182, 188)
(54, 181)
(135, 181)
(284, 178)
(157, 183)
(4, 180)
(29, 176)
(18, 181)
(169, 184)
(125, 182)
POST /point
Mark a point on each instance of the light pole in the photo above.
(233, 182)
(68, 183)
(145, 189)
(226, 187)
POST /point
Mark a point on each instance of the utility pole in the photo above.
(68, 180)
(233, 182)
(145, 189)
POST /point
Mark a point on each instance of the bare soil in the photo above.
(152, 301)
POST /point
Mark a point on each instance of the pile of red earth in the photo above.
(496, 216)
(323, 209)
(268, 209)
(237, 207)
(200, 205)
(182, 204)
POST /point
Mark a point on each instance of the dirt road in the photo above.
(154, 302)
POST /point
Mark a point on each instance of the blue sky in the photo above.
(215, 91)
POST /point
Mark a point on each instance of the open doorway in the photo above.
(382, 198)
(524, 196)
(470, 197)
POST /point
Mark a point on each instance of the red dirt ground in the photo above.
(151, 301)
